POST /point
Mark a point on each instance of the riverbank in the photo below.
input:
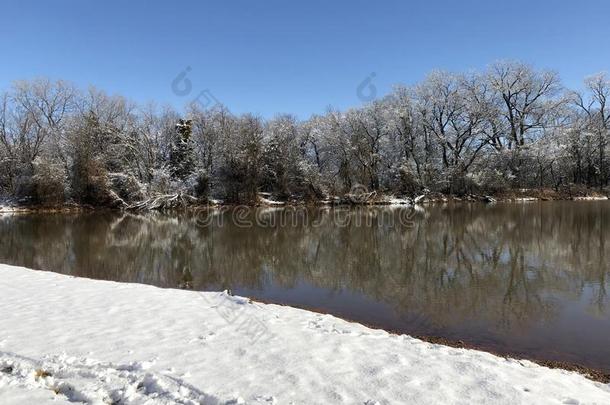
(68, 339)
(179, 201)
(590, 373)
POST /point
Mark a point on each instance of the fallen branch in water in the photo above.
(164, 202)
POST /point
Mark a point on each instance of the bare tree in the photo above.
(451, 113)
(595, 114)
(510, 126)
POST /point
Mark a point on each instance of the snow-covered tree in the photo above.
(510, 126)
(182, 155)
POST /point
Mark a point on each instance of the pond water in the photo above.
(527, 279)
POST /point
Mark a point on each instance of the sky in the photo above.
(298, 57)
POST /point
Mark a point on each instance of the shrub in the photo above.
(127, 187)
(90, 184)
(49, 181)
(161, 182)
(201, 184)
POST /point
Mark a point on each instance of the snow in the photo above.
(591, 198)
(393, 200)
(6, 206)
(7, 210)
(419, 198)
(266, 201)
(263, 198)
(65, 339)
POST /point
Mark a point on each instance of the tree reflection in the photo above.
(502, 265)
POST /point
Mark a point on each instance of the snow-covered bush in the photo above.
(161, 182)
(23, 188)
(127, 187)
(200, 184)
(49, 181)
(508, 127)
(488, 181)
(91, 185)
(408, 183)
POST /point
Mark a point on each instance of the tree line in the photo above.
(510, 126)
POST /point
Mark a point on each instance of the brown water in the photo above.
(525, 279)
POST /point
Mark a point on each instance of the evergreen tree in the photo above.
(182, 154)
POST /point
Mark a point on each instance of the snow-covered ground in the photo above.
(266, 200)
(592, 198)
(6, 207)
(526, 199)
(393, 200)
(66, 339)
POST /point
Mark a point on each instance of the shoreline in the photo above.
(65, 338)
(591, 373)
(383, 200)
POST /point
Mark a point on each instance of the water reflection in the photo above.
(527, 279)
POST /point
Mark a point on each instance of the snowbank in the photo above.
(65, 339)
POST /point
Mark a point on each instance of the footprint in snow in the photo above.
(84, 380)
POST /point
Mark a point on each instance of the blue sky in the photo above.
(269, 57)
